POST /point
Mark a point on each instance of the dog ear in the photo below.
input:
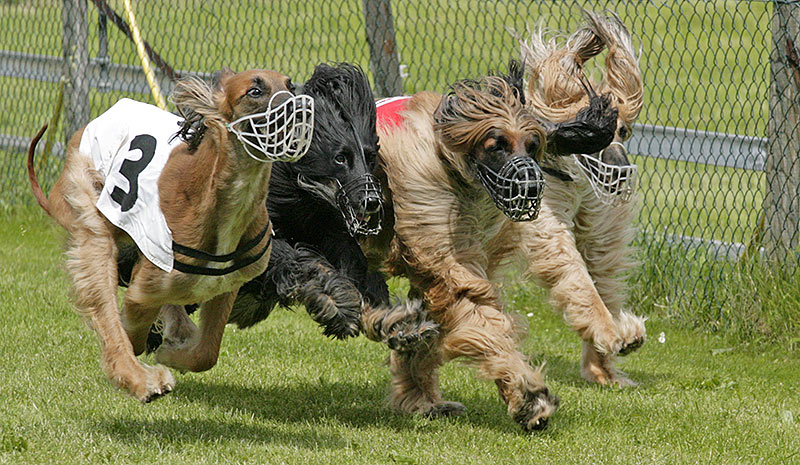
(196, 103)
(514, 79)
(221, 76)
(590, 131)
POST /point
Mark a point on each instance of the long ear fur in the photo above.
(198, 104)
(622, 78)
(555, 91)
(473, 107)
(348, 88)
(342, 95)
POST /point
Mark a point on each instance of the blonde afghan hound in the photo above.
(447, 199)
(579, 248)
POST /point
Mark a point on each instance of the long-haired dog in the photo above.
(208, 200)
(453, 168)
(579, 248)
(319, 206)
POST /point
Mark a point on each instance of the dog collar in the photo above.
(389, 111)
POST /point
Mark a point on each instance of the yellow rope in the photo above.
(148, 71)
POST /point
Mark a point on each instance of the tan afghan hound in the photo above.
(579, 248)
(207, 203)
(445, 232)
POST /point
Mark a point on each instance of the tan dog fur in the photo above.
(579, 248)
(213, 200)
(450, 239)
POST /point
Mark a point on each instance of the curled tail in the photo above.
(37, 190)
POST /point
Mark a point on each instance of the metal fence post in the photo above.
(383, 57)
(75, 49)
(782, 168)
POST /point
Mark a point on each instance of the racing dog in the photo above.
(193, 204)
(579, 248)
(453, 169)
(319, 206)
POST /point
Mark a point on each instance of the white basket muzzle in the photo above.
(611, 184)
(282, 133)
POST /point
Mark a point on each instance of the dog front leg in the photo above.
(404, 327)
(554, 260)
(603, 237)
(486, 335)
(200, 352)
(415, 384)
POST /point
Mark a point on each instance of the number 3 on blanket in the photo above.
(132, 168)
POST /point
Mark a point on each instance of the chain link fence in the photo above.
(717, 141)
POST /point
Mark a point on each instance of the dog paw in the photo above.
(412, 336)
(632, 330)
(627, 348)
(158, 382)
(600, 369)
(445, 409)
(335, 304)
(404, 327)
(535, 410)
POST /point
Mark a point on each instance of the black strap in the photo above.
(200, 255)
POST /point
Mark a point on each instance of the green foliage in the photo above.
(751, 300)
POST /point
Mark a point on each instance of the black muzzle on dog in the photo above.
(516, 189)
(365, 192)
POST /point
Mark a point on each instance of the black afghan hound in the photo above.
(319, 208)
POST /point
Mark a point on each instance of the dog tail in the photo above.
(37, 190)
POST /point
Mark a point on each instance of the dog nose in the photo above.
(372, 205)
(615, 154)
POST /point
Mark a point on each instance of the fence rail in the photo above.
(719, 131)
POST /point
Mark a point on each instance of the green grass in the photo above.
(282, 393)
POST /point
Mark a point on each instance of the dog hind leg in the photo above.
(200, 351)
(92, 266)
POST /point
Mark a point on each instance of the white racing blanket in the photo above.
(130, 144)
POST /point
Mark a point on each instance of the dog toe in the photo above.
(445, 409)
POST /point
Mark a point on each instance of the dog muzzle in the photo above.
(364, 191)
(516, 189)
(282, 133)
(612, 184)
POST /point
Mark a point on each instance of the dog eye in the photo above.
(255, 92)
(340, 159)
(624, 132)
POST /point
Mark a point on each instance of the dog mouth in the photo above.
(516, 188)
(281, 133)
(365, 193)
(611, 184)
(359, 201)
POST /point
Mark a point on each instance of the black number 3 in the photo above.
(131, 170)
